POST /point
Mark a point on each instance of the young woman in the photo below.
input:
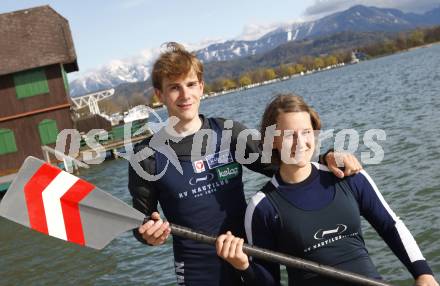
(306, 212)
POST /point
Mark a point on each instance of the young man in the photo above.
(203, 192)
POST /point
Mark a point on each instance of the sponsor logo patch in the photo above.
(321, 234)
(219, 159)
(199, 166)
(228, 171)
(206, 178)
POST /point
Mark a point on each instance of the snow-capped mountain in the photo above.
(356, 19)
(110, 75)
(130, 70)
(233, 49)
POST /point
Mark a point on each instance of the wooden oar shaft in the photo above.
(283, 259)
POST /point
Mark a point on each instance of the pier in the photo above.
(73, 164)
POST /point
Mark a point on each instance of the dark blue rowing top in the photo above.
(331, 235)
(208, 197)
(319, 220)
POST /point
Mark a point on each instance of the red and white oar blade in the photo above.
(49, 200)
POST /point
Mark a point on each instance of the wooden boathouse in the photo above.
(36, 53)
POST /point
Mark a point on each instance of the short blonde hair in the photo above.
(174, 63)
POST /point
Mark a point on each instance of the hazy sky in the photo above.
(106, 30)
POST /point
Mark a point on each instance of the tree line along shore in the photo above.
(403, 41)
(306, 64)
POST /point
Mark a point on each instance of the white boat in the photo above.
(354, 59)
(116, 119)
(136, 113)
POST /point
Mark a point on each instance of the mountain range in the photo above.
(349, 23)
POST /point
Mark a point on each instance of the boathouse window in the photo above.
(48, 131)
(7, 141)
(30, 83)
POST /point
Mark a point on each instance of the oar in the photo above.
(49, 200)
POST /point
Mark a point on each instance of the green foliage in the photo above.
(138, 98)
(223, 84)
(378, 44)
(269, 74)
(416, 38)
(287, 70)
(229, 84)
(318, 63)
(257, 75)
(389, 47)
(432, 35)
(307, 61)
(401, 42)
(154, 100)
(107, 106)
(217, 85)
(330, 60)
(343, 56)
(245, 80)
(207, 88)
(299, 68)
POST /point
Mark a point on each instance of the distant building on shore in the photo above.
(36, 52)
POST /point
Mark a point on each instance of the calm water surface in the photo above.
(399, 94)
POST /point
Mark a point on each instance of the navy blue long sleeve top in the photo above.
(262, 222)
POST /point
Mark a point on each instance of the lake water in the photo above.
(399, 94)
